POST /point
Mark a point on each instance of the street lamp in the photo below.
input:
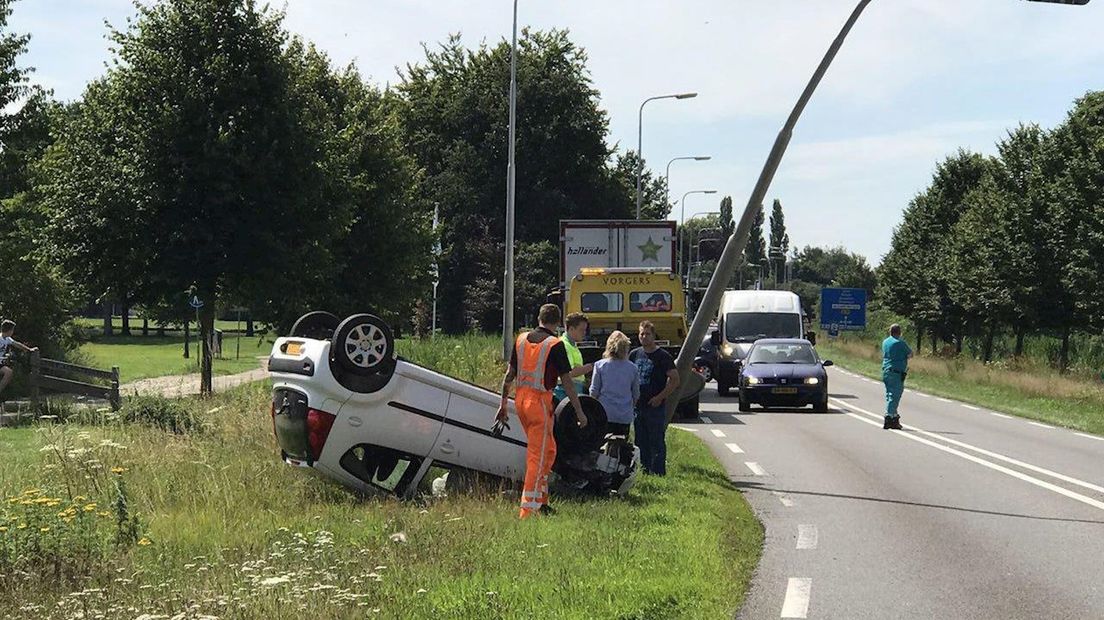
(735, 245)
(667, 178)
(508, 277)
(640, 136)
(682, 219)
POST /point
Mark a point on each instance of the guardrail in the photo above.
(65, 378)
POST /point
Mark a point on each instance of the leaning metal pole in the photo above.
(735, 245)
(508, 276)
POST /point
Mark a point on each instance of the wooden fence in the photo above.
(65, 378)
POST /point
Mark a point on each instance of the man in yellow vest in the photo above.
(575, 325)
(538, 361)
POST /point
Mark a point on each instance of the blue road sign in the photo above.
(843, 309)
(195, 302)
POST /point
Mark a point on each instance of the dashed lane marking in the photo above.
(798, 592)
(756, 468)
(735, 448)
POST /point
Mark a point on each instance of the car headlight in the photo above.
(754, 380)
(726, 350)
(812, 381)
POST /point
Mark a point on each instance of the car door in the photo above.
(466, 439)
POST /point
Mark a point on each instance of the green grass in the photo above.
(141, 357)
(1030, 391)
(224, 517)
(96, 325)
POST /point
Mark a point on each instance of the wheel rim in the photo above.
(366, 346)
(707, 374)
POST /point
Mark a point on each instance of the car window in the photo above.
(784, 353)
(659, 301)
(602, 302)
(751, 326)
(384, 468)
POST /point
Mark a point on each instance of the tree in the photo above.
(452, 108)
(13, 78)
(779, 240)
(755, 251)
(653, 188)
(726, 223)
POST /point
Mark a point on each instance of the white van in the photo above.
(747, 316)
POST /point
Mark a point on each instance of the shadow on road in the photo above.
(743, 485)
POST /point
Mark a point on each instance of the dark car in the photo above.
(784, 372)
(706, 360)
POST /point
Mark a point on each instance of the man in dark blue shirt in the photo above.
(658, 380)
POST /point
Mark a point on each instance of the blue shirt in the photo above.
(616, 384)
(895, 354)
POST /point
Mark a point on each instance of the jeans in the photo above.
(894, 387)
(651, 430)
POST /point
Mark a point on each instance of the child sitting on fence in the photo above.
(7, 343)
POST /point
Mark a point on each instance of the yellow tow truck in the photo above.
(619, 298)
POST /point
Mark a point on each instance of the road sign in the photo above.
(195, 302)
(843, 309)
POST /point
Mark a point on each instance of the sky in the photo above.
(915, 81)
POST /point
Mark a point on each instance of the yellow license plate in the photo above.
(294, 348)
(784, 391)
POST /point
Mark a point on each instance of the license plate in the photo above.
(791, 390)
(294, 348)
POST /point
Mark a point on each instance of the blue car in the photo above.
(784, 372)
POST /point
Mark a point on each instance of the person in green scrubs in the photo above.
(895, 357)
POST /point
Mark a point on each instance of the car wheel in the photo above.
(744, 404)
(822, 406)
(722, 388)
(319, 325)
(706, 372)
(688, 409)
(363, 345)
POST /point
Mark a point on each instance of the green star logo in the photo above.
(650, 250)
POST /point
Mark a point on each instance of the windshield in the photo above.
(751, 326)
(785, 353)
(602, 302)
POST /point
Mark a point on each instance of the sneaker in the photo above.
(887, 424)
(895, 423)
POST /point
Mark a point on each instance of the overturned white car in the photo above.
(344, 404)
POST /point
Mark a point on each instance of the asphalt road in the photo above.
(964, 514)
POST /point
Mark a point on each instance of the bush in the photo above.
(160, 412)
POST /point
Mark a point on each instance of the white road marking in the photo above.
(1040, 425)
(785, 499)
(944, 400)
(756, 468)
(735, 448)
(716, 432)
(923, 395)
(1090, 436)
(971, 407)
(1000, 468)
(1000, 415)
(806, 537)
(706, 420)
(798, 591)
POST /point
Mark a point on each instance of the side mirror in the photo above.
(715, 338)
(827, 363)
(811, 337)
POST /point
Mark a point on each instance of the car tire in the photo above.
(572, 440)
(705, 371)
(689, 409)
(722, 388)
(364, 346)
(318, 325)
(744, 404)
(822, 406)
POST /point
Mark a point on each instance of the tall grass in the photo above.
(225, 529)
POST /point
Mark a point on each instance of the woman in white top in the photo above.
(616, 384)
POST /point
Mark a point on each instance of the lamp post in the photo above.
(682, 220)
(667, 178)
(639, 131)
(508, 277)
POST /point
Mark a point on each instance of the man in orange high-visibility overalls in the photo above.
(539, 360)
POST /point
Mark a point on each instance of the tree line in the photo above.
(1007, 244)
(220, 156)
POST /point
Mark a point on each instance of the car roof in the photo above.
(783, 341)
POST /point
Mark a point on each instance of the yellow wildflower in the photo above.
(104, 513)
(90, 507)
(45, 529)
(22, 526)
(3, 528)
(118, 470)
(145, 541)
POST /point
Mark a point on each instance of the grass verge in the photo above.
(223, 528)
(141, 357)
(1035, 393)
